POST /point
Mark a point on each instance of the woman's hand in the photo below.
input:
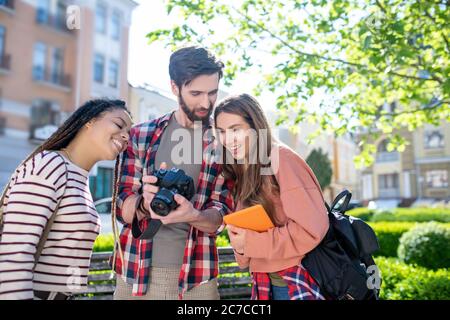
(237, 238)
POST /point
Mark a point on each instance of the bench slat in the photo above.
(226, 258)
(108, 276)
(100, 262)
(97, 297)
(224, 281)
(101, 256)
(235, 292)
(232, 269)
(100, 288)
(99, 266)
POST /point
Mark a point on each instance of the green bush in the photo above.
(388, 234)
(405, 282)
(403, 215)
(427, 245)
(222, 241)
(104, 242)
(361, 213)
(414, 215)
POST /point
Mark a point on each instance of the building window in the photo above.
(45, 119)
(2, 125)
(116, 25)
(4, 58)
(383, 155)
(388, 186)
(388, 181)
(437, 179)
(434, 139)
(100, 18)
(39, 58)
(2, 40)
(42, 11)
(382, 147)
(101, 184)
(7, 3)
(61, 15)
(57, 65)
(99, 68)
(113, 73)
(391, 107)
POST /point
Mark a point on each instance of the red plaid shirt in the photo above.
(200, 262)
(301, 286)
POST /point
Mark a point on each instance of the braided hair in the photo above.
(66, 133)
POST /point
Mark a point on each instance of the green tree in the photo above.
(321, 166)
(361, 54)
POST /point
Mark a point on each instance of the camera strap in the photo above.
(149, 233)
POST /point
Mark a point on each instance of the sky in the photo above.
(150, 63)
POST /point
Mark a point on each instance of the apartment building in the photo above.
(340, 151)
(420, 172)
(147, 102)
(49, 67)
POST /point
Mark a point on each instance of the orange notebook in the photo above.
(253, 218)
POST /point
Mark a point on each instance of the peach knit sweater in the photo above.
(301, 210)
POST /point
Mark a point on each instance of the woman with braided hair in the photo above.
(48, 219)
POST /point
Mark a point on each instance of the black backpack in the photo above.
(342, 263)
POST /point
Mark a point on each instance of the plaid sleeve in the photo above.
(221, 198)
(131, 172)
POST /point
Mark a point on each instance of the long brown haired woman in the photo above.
(49, 219)
(289, 192)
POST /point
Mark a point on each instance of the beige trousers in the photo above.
(164, 286)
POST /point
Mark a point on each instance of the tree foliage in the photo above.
(321, 166)
(355, 55)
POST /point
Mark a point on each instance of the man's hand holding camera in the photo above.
(166, 197)
(185, 211)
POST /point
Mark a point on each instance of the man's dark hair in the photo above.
(190, 62)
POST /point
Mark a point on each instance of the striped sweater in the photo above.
(31, 200)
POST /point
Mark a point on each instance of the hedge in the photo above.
(105, 242)
(388, 234)
(406, 282)
(403, 215)
(399, 280)
(427, 245)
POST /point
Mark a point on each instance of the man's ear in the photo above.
(174, 87)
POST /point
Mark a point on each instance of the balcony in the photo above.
(5, 62)
(387, 156)
(57, 22)
(52, 78)
(387, 193)
(7, 5)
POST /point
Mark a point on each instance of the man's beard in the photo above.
(191, 113)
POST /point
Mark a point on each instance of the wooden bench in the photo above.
(234, 283)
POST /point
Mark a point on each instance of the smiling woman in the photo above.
(291, 196)
(49, 218)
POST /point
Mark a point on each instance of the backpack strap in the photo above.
(49, 224)
(342, 208)
(328, 207)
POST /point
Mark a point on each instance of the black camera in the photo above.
(171, 182)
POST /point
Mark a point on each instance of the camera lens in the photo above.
(160, 207)
(163, 202)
